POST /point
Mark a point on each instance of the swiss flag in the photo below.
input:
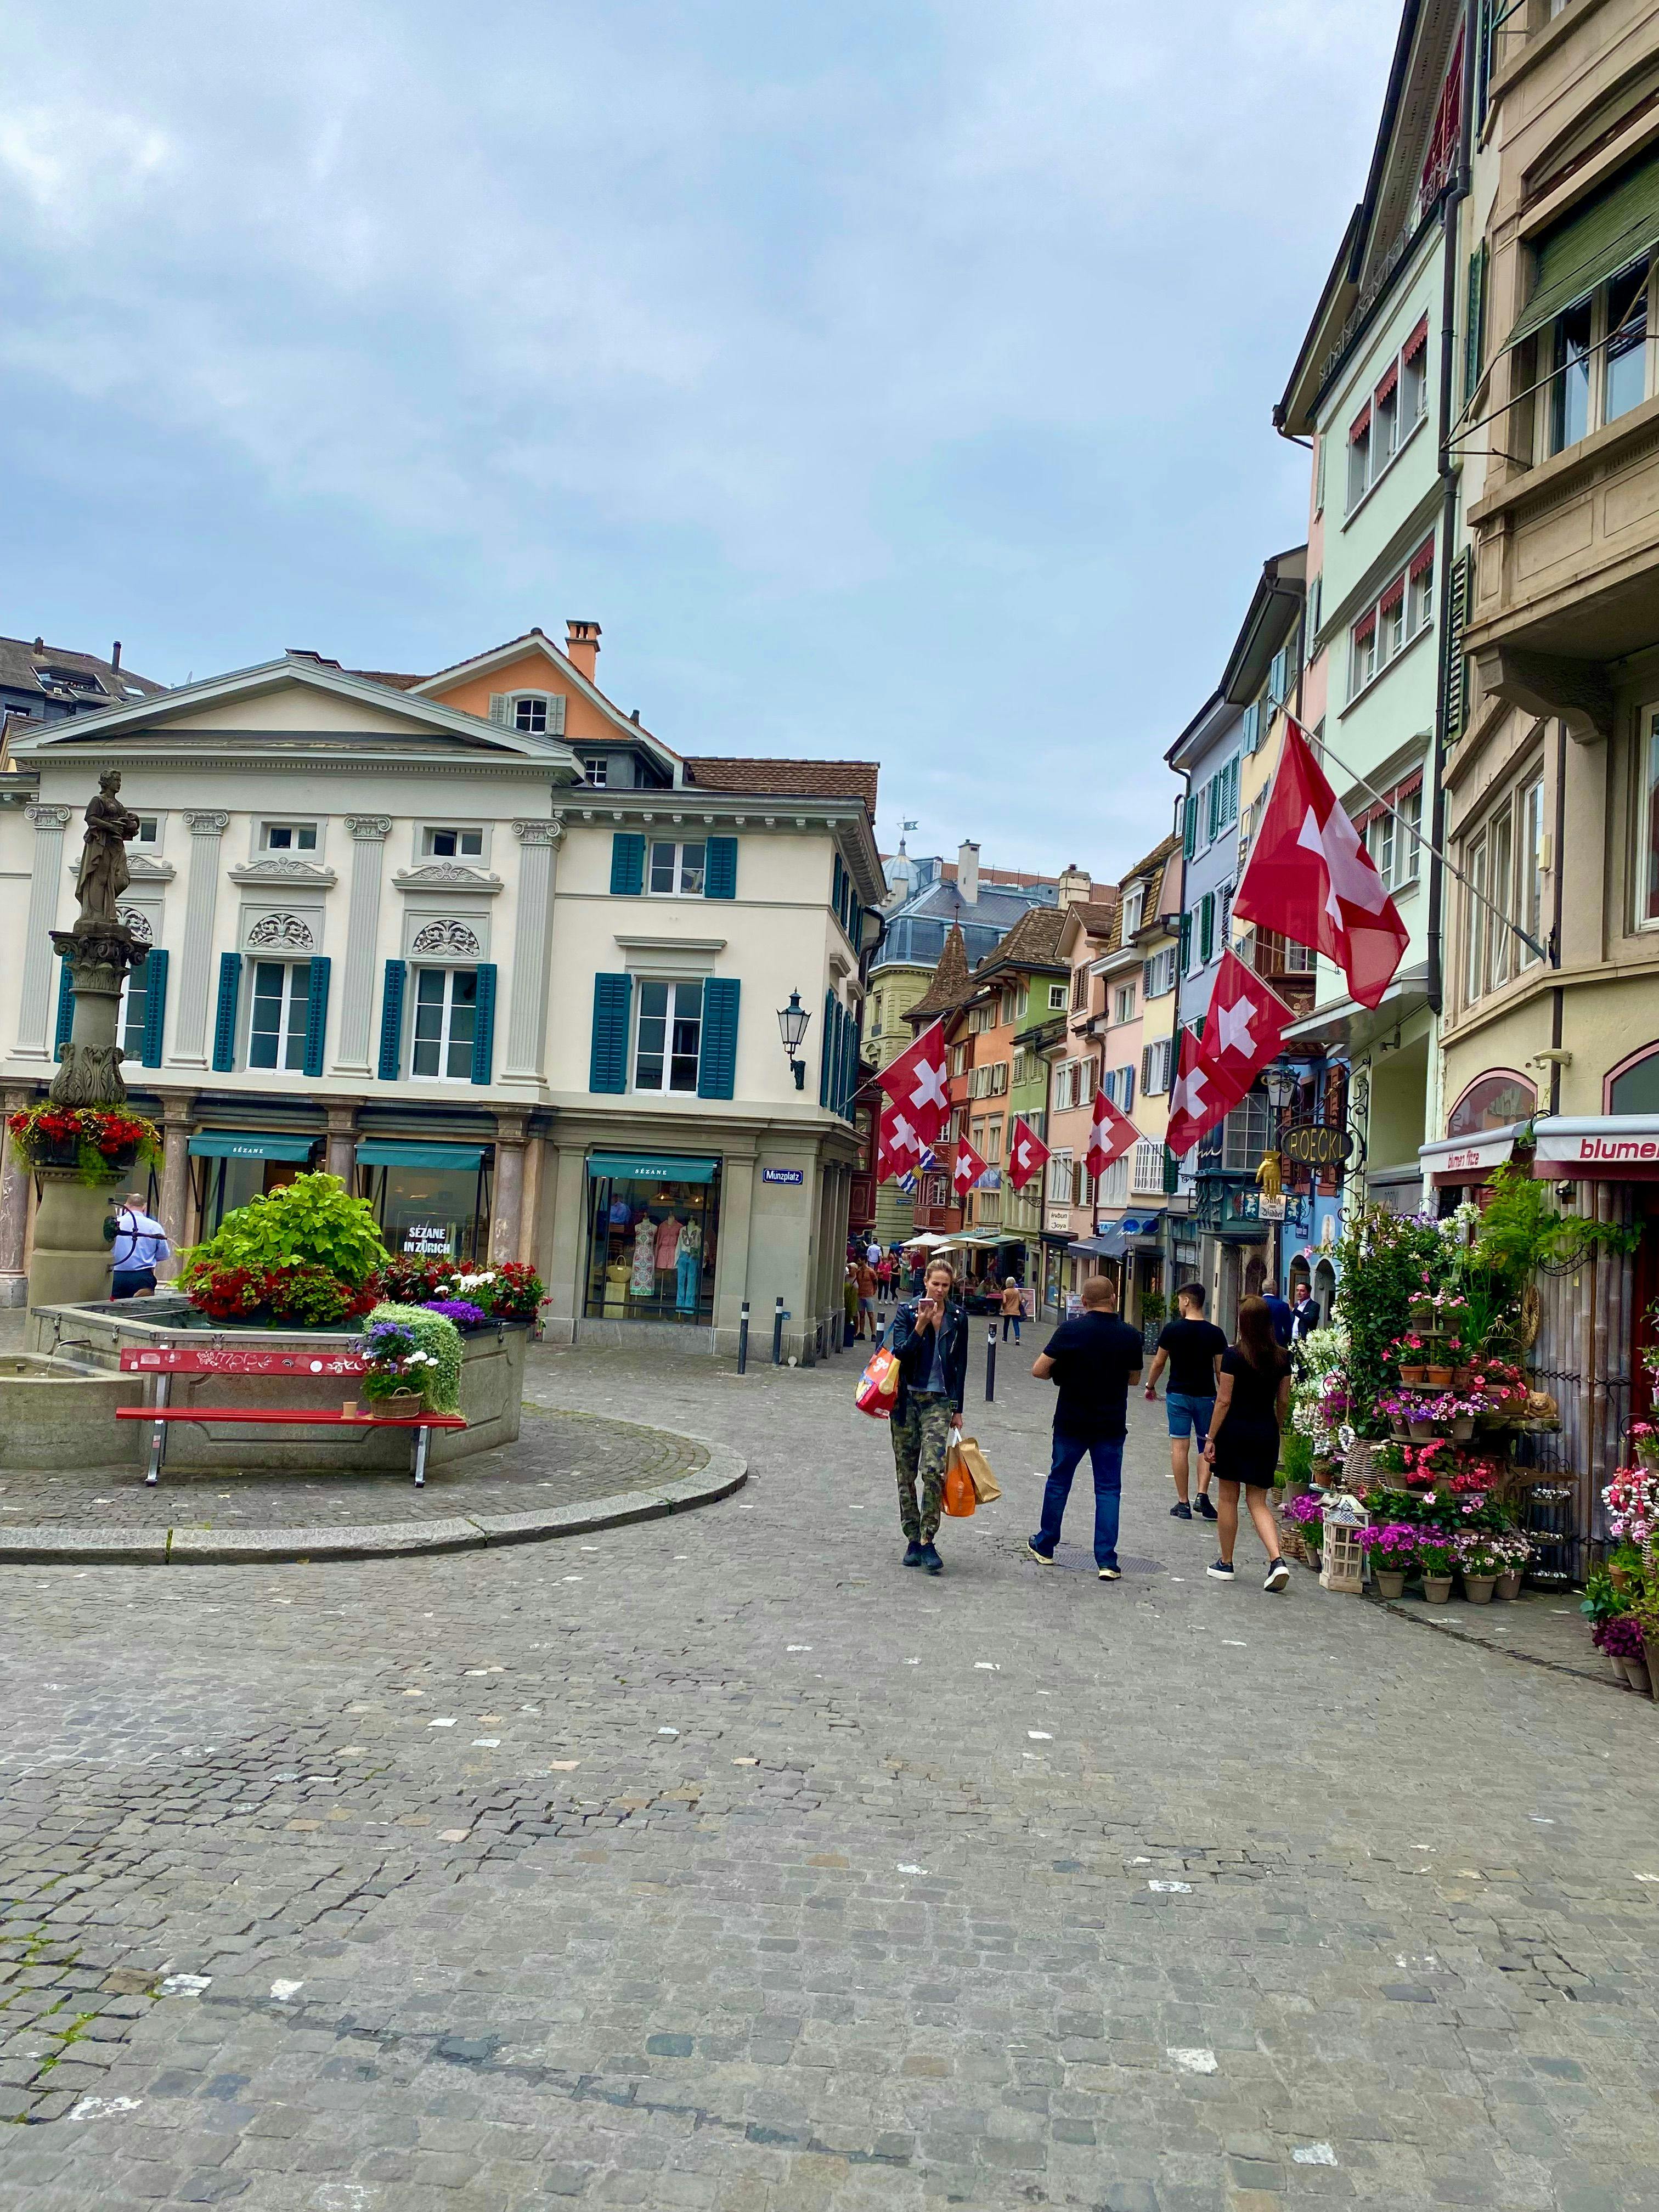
(897, 1147)
(916, 1083)
(1111, 1132)
(1243, 1033)
(1189, 1113)
(1311, 878)
(968, 1170)
(1027, 1153)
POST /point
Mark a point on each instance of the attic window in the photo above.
(531, 716)
(73, 679)
(596, 767)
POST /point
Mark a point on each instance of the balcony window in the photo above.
(445, 1023)
(1624, 380)
(1570, 386)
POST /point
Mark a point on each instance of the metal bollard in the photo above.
(777, 1335)
(990, 1360)
(743, 1338)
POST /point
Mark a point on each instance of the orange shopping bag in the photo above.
(959, 1499)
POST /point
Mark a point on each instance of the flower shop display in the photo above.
(1436, 1562)
(1391, 1555)
(1620, 1639)
(97, 1141)
(461, 1311)
(511, 1292)
(411, 1354)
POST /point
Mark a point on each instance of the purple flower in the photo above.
(461, 1311)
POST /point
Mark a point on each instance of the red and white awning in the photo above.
(1603, 1147)
(1469, 1159)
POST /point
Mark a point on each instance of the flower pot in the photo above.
(1423, 1432)
(1647, 1451)
(1412, 1374)
(1436, 1588)
(1478, 1589)
(1462, 1428)
(1401, 1429)
(1619, 1577)
(1509, 1585)
(1462, 1377)
(1390, 1583)
(1440, 1378)
(1636, 1673)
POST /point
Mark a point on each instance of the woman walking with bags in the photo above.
(1252, 1400)
(930, 1342)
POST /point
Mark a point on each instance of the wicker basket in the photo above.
(1357, 1467)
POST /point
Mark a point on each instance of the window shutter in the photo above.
(627, 863)
(720, 876)
(155, 1008)
(501, 708)
(483, 1034)
(1453, 672)
(1185, 945)
(1319, 473)
(607, 1066)
(1276, 677)
(1474, 329)
(1146, 1068)
(65, 1010)
(391, 1019)
(717, 1069)
(826, 1048)
(316, 1017)
(555, 715)
(1189, 826)
(224, 1026)
(1146, 979)
(1206, 927)
(834, 884)
(854, 919)
(1127, 1101)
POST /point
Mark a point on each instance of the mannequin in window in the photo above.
(668, 1244)
(690, 1267)
(643, 1280)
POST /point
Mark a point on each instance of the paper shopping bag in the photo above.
(959, 1499)
(986, 1485)
(879, 1385)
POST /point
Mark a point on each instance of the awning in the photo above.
(648, 1167)
(1596, 242)
(388, 1153)
(1110, 1243)
(1603, 1147)
(249, 1145)
(1470, 1159)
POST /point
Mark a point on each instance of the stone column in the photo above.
(342, 1140)
(196, 960)
(14, 1212)
(506, 1221)
(527, 1020)
(35, 1011)
(733, 1259)
(535, 1155)
(178, 1119)
(357, 998)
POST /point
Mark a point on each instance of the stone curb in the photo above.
(53, 1544)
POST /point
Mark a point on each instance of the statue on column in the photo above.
(104, 874)
(99, 951)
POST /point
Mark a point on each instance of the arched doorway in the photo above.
(1494, 1100)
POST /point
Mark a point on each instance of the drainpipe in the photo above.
(1449, 207)
(1557, 995)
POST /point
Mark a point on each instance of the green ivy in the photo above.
(436, 1336)
(312, 1221)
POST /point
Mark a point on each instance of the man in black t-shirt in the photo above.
(1093, 1359)
(1191, 1349)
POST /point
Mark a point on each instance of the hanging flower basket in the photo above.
(98, 1142)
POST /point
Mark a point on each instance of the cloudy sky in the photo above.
(889, 378)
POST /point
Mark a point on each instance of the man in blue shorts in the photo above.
(1191, 1349)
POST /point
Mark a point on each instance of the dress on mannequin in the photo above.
(668, 1244)
(690, 1267)
(643, 1280)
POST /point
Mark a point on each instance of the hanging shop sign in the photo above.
(1317, 1145)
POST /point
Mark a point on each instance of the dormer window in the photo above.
(596, 767)
(531, 716)
(1133, 902)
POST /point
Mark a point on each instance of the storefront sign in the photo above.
(1610, 1141)
(1270, 1209)
(248, 1145)
(1316, 1144)
(783, 1175)
(664, 1166)
(1059, 1220)
(429, 1240)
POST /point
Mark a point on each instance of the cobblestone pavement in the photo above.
(721, 1862)
(561, 1458)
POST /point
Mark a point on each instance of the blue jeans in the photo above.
(1106, 1459)
(688, 1268)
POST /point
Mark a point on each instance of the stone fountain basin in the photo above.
(59, 1412)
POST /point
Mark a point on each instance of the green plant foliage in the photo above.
(1521, 1228)
(1388, 1260)
(1295, 1457)
(312, 1221)
(433, 1334)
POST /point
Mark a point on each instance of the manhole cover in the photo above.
(1082, 1563)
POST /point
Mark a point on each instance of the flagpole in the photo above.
(1437, 852)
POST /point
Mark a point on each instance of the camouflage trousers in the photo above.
(918, 1443)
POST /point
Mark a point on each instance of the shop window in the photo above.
(441, 842)
(431, 1201)
(668, 1042)
(445, 1023)
(1634, 1088)
(282, 1006)
(653, 1230)
(1494, 1102)
(677, 870)
(288, 837)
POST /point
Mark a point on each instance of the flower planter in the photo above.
(1389, 1585)
(1462, 1428)
(1440, 1378)
(1509, 1585)
(1423, 1432)
(1436, 1588)
(1462, 1377)
(1478, 1589)
(401, 1402)
(1636, 1673)
(1412, 1374)
(1619, 1577)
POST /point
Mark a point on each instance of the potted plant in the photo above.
(1436, 1562)
(99, 1142)
(413, 1360)
(304, 1256)
(1633, 1502)
(1514, 1550)
(1306, 1515)
(1620, 1640)
(1479, 1565)
(1391, 1552)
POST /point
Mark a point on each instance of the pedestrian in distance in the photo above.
(849, 1292)
(1092, 1360)
(141, 1245)
(930, 1342)
(1305, 1316)
(1013, 1307)
(1191, 1349)
(1280, 1316)
(864, 1275)
(1252, 1400)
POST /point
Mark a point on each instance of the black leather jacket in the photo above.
(914, 1349)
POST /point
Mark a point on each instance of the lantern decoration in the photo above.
(1342, 1560)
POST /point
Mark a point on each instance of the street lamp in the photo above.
(792, 1028)
(1280, 1083)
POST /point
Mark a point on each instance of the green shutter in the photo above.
(717, 1068)
(224, 1025)
(155, 1008)
(1454, 669)
(316, 1017)
(391, 1019)
(65, 1010)
(854, 920)
(836, 881)
(1474, 327)
(1206, 927)
(719, 879)
(1596, 242)
(607, 1066)
(1189, 826)
(483, 1034)
(826, 1048)
(627, 863)
(1184, 957)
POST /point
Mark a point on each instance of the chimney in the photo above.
(115, 654)
(1075, 885)
(968, 872)
(581, 647)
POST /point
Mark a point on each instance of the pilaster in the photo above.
(35, 1009)
(14, 1212)
(526, 1021)
(196, 958)
(506, 1219)
(178, 1119)
(357, 998)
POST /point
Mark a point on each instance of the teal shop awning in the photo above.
(387, 1152)
(663, 1167)
(249, 1145)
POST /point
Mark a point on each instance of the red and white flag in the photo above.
(897, 1147)
(1027, 1153)
(916, 1083)
(1111, 1132)
(1243, 1033)
(1189, 1116)
(968, 1170)
(1311, 878)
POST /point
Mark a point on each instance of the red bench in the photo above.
(166, 1363)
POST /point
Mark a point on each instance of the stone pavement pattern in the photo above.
(721, 1862)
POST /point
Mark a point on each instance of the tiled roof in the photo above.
(26, 665)
(952, 985)
(788, 778)
(1094, 915)
(1033, 942)
(381, 676)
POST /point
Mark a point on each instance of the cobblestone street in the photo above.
(717, 1861)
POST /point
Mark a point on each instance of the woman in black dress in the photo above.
(1250, 1407)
